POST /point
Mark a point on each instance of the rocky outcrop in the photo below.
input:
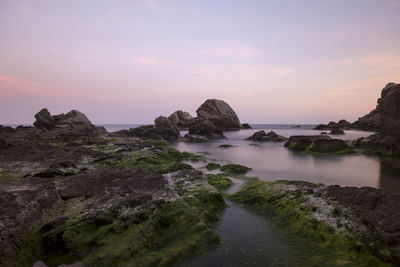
(163, 129)
(73, 119)
(246, 126)
(262, 136)
(378, 210)
(337, 131)
(182, 119)
(207, 129)
(166, 129)
(23, 203)
(342, 124)
(220, 114)
(389, 111)
(315, 143)
(369, 122)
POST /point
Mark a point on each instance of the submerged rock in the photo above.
(246, 126)
(337, 131)
(262, 136)
(315, 143)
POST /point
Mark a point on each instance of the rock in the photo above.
(327, 145)
(145, 132)
(262, 136)
(207, 129)
(389, 111)
(376, 209)
(166, 129)
(246, 126)
(369, 122)
(194, 138)
(220, 114)
(323, 133)
(305, 142)
(73, 119)
(23, 203)
(182, 119)
(342, 124)
(337, 131)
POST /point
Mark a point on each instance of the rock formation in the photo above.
(246, 126)
(337, 131)
(73, 119)
(262, 136)
(182, 119)
(207, 129)
(315, 143)
(342, 124)
(369, 122)
(220, 114)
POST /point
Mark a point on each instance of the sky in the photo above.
(298, 61)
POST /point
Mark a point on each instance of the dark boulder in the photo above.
(369, 122)
(262, 136)
(389, 111)
(220, 114)
(207, 129)
(166, 129)
(378, 210)
(182, 119)
(306, 142)
(328, 145)
(337, 131)
(73, 119)
(194, 138)
(342, 124)
(246, 126)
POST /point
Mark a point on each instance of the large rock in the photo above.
(73, 119)
(166, 129)
(369, 122)
(379, 210)
(262, 136)
(23, 203)
(220, 114)
(342, 124)
(389, 111)
(315, 143)
(207, 129)
(182, 119)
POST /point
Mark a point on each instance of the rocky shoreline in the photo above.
(71, 191)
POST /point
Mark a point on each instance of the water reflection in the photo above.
(272, 161)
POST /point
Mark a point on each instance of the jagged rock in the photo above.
(369, 122)
(246, 126)
(220, 114)
(166, 129)
(342, 124)
(145, 132)
(207, 129)
(182, 119)
(193, 138)
(389, 111)
(262, 136)
(337, 131)
(316, 143)
(73, 119)
(380, 211)
(23, 203)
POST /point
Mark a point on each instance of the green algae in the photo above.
(330, 248)
(212, 166)
(6, 175)
(169, 234)
(219, 181)
(235, 169)
(162, 160)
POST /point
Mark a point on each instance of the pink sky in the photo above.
(272, 61)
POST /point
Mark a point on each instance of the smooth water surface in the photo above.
(272, 161)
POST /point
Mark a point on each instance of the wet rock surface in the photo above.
(368, 122)
(220, 114)
(266, 137)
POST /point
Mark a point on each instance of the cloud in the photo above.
(149, 61)
(235, 53)
(14, 86)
